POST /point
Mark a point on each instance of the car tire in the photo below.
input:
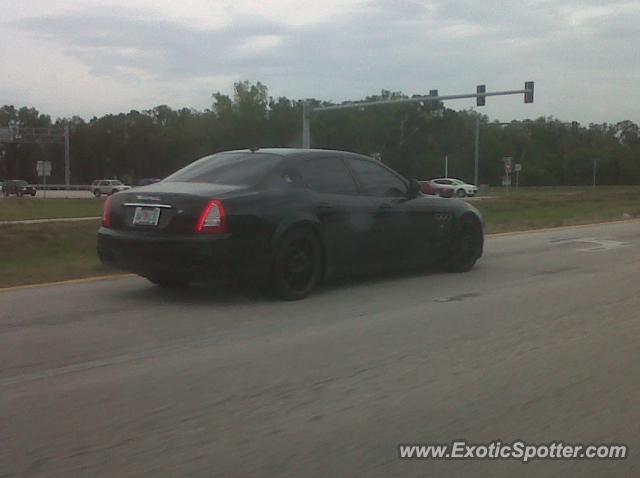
(461, 193)
(33, 194)
(19, 194)
(113, 191)
(168, 282)
(297, 264)
(96, 193)
(466, 246)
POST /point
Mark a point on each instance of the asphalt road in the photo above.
(540, 342)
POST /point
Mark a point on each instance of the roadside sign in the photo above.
(506, 180)
(43, 168)
(507, 164)
(518, 167)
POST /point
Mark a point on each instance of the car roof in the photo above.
(297, 152)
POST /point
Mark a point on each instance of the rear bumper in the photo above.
(188, 257)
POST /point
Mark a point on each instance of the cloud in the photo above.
(346, 50)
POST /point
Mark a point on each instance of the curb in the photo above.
(42, 221)
(564, 228)
(83, 280)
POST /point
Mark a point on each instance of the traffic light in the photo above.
(528, 94)
(480, 100)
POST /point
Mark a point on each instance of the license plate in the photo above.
(146, 216)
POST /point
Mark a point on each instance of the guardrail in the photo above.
(63, 187)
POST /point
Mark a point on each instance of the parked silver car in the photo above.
(107, 186)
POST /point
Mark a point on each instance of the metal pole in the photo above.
(417, 99)
(308, 110)
(306, 129)
(476, 154)
(446, 166)
(595, 169)
(67, 169)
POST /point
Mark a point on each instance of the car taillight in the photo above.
(213, 219)
(106, 215)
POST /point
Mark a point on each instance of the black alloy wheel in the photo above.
(461, 193)
(297, 265)
(466, 247)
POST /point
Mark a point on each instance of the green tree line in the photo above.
(410, 137)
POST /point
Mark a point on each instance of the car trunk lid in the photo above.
(172, 208)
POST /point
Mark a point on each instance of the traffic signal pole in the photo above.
(309, 110)
(476, 153)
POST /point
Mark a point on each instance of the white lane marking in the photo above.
(597, 244)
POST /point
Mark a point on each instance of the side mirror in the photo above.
(414, 189)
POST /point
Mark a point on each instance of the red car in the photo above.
(433, 189)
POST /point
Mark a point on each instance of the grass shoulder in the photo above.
(18, 209)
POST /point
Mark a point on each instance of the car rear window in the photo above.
(228, 168)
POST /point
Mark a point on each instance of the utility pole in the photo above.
(595, 171)
(67, 168)
(446, 166)
(306, 127)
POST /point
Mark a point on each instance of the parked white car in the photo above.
(107, 186)
(459, 188)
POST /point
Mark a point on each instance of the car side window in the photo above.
(377, 180)
(327, 175)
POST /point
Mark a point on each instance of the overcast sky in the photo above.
(90, 57)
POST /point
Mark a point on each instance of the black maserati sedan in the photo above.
(288, 218)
